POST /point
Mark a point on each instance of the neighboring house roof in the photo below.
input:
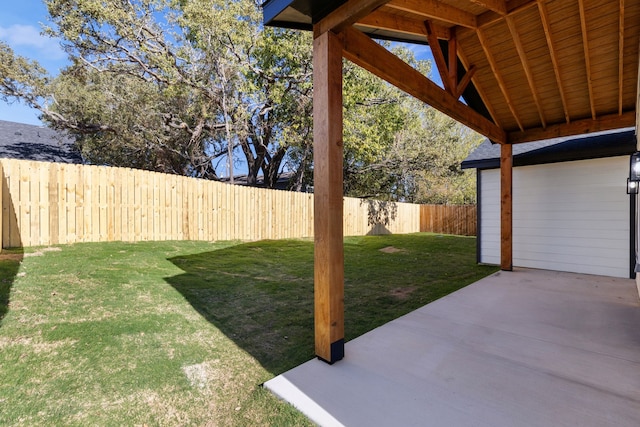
(283, 182)
(595, 145)
(29, 142)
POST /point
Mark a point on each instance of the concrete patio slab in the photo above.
(522, 348)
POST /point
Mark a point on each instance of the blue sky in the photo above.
(20, 28)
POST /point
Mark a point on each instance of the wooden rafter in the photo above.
(621, 57)
(544, 16)
(571, 63)
(496, 72)
(438, 56)
(576, 127)
(513, 6)
(448, 69)
(498, 6)
(476, 84)
(587, 57)
(465, 81)
(387, 21)
(361, 50)
(346, 15)
(434, 9)
(453, 60)
(527, 68)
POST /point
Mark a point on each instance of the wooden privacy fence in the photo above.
(53, 203)
(449, 219)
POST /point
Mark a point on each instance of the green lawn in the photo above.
(184, 333)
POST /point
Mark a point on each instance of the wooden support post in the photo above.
(506, 207)
(637, 243)
(328, 202)
(638, 109)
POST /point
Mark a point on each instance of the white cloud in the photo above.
(29, 37)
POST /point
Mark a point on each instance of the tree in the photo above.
(399, 149)
(429, 159)
(180, 86)
(173, 85)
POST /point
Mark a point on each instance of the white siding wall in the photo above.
(570, 216)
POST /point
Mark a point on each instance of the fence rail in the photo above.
(52, 203)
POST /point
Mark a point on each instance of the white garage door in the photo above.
(570, 216)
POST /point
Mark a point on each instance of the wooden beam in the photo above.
(498, 6)
(544, 16)
(386, 21)
(527, 68)
(496, 72)
(587, 57)
(434, 9)
(361, 50)
(346, 15)
(328, 201)
(481, 92)
(448, 70)
(382, 20)
(453, 61)
(506, 207)
(465, 82)
(620, 56)
(576, 127)
(513, 6)
(438, 56)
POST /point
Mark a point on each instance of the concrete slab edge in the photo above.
(287, 391)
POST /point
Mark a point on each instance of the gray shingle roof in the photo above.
(29, 142)
(597, 144)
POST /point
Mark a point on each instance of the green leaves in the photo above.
(397, 148)
(20, 78)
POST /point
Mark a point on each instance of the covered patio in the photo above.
(514, 71)
(520, 348)
(523, 347)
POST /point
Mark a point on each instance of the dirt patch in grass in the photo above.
(402, 293)
(205, 376)
(391, 250)
(41, 251)
(35, 344)
(12, 257)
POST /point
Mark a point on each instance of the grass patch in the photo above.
(183, 333)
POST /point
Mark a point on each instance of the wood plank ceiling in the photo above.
(536, 69)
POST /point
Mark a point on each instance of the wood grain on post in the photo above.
(506, 207)
(328, 203)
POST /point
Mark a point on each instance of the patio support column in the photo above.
(506, 207)
(328, 202)
(637, 198)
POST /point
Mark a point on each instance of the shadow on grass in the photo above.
(260, 294)
(10, 259)
(9, 266)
